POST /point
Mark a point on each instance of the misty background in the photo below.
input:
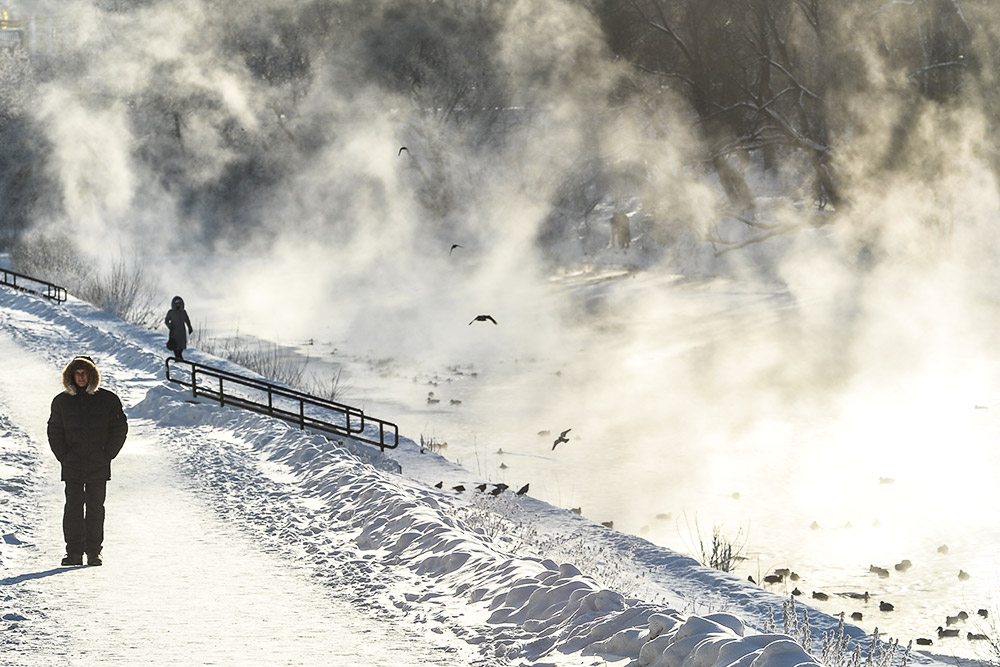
(809, 297)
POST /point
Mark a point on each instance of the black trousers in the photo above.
(83, 517)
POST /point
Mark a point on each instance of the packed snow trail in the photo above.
(178, 586)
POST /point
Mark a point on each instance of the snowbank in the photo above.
(537, 609)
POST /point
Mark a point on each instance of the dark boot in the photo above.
(94, 559)
(73, 559)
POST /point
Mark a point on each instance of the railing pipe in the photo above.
(232, 398)
(48, 290)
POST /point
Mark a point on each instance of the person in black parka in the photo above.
(86, 430)
(179, 323)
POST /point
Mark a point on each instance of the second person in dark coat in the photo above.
(179, 323)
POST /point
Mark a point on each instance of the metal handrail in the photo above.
(353, 423)
(51, 291)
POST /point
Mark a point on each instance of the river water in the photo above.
(813, 434)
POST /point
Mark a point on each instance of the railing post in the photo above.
(194, 382)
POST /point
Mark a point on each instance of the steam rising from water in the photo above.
(820, 361)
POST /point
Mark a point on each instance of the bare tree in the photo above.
(696, 46)
(23, 178)
(787, 95)
(441, 56)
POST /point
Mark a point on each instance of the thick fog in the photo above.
(253, 156)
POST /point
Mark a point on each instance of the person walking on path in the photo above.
(86, 430)
(179, 323)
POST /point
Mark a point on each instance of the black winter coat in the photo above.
(179, 323)
(87, 428)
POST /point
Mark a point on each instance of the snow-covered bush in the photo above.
(502, 520)
(124, 290)
(262, 357)
(835, 647)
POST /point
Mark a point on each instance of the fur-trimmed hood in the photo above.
(93, 375)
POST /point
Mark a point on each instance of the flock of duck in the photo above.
(960, 617)
(783, 575)
(779, 575)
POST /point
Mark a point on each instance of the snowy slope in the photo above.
(320, 524)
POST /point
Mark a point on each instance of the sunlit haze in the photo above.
(841, 354)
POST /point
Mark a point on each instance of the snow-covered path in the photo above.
(178, 586)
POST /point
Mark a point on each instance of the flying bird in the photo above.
(401, 149)
(482, 318)
(453, 246)
(562, 438)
